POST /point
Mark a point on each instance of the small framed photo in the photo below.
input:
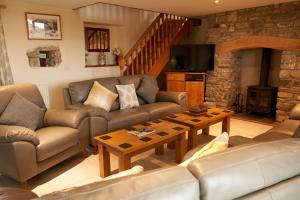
(43, 26)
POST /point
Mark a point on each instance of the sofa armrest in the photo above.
(175, 97)
(295, 113)
(69, 118)
(90, 110)
(10, 134)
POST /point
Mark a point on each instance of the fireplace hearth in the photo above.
(262, 98)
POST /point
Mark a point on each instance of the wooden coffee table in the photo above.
(203, 121)
(125, 145)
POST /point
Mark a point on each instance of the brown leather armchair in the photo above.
(25, 153)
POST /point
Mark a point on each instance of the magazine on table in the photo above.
(141, 132)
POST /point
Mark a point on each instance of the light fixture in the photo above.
(217, 1)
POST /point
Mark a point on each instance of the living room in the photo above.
(98, 96)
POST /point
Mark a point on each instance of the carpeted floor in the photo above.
(78, 171)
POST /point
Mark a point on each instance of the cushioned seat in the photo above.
(287, 127)
(54, 140)
(161, 109)
(270, 136)
(204, 139)
(124, 118)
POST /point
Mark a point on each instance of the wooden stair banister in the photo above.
(151, 51)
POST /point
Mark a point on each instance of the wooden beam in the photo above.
(252, 42)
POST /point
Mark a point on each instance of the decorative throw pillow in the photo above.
(218, 144)
(148, 89)
(22, 112)
(101, 97)
(127, 96)
(133, 171)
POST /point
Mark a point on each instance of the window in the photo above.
(97, 39)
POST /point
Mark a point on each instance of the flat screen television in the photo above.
(192, 58)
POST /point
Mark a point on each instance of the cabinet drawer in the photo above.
(176, 77)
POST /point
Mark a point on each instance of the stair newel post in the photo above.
(122, 64)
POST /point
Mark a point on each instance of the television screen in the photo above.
(197, 58)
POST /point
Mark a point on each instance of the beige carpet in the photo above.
(78, 171)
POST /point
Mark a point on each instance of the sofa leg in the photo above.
(95, 150)
(84, 153)
(24, 185)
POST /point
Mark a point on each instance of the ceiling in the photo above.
(191, 8)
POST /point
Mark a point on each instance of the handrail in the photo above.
(152, 44)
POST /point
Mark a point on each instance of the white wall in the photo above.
(72, 47)
(128, 23)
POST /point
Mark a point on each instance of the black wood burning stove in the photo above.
(261, 99)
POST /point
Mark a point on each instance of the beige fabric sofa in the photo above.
(101, 121)
(64, 133)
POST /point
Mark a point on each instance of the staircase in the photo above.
(151, 52)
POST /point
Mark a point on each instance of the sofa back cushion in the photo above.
(242, 170)
(164, 184)
(79, 91)
(28, 91)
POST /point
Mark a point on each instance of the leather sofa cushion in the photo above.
(22, 112)
(161, 109)
(124, 118)
(288, 189)
(79, 91)
(246, 169)
(68, 118)
(148, 89)
(288, 127)
(54, 140)
(174, 183)
(126, 80)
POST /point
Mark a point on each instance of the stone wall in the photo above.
(289, 88)
(281, 20)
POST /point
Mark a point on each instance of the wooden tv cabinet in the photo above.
(190, 82)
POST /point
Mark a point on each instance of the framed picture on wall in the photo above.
(43, 26)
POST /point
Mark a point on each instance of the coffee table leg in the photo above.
(205, 131)
(124, 163)
(104, 161)
(159, 150)
(226, 125)
(192, 139)
(171, 145)
(180, 147)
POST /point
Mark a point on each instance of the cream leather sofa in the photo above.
(264, 168)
